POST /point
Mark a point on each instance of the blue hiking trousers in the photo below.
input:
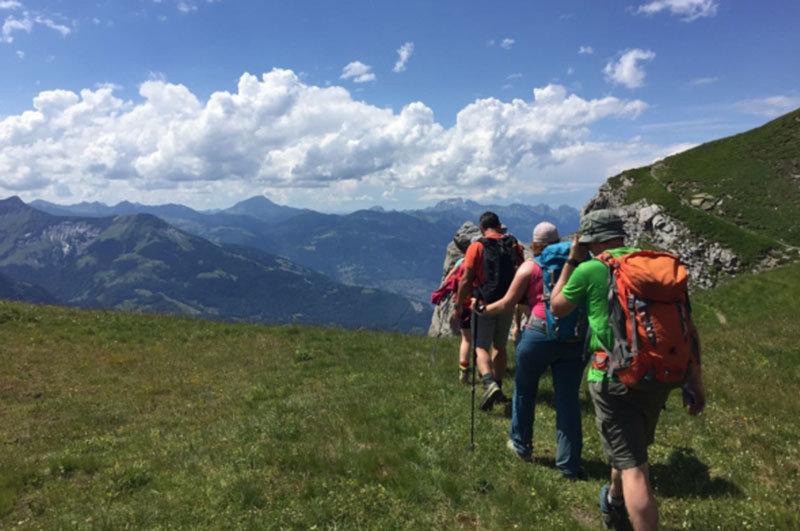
(534, 354)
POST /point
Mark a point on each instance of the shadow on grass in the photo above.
(686, 476)
(592, 470)
(547, 397)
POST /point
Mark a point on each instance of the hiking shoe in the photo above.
(463, 375)
(502, 398)
(528, 458)
(490, 396)
(578, 476)
(614, 516)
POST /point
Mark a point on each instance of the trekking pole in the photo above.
(474, 325)
(441, 325)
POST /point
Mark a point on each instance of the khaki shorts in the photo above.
(493, 330)
(626, 419)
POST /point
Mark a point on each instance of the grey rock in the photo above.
(704, 201)
(465, 235)
(647, 215)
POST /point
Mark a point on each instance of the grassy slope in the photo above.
(111, 421)
(752, 173)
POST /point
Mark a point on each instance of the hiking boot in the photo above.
(528, 458)
(576, 476)
(614, 516)
(502, 398)
(463, 375)
(490, 396)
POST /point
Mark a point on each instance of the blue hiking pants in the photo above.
(534, 353)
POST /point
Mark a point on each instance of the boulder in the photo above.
(704, 201)
(441, 324)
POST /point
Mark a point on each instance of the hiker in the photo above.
(546, 342)
(628, 386)
(460, 316)
(489, 267)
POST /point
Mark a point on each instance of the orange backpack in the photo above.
(649, 312)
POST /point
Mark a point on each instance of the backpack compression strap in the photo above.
(620, 354)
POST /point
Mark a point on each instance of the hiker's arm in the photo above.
(450, 273)
(465, 286)
(695, 398)
(515, 290)
(517, 326)
(694, 393)
(559, 305)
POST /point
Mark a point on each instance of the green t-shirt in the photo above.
(589, 284)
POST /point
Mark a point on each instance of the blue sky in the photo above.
(339, 106)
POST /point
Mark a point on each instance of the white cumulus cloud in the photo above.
(688, 10)
(585, 50)
(61, 28)
(404, 52)
(10, 4)
(507, 43)
(276, 133)
(12, 25)
(626, 70)
(358, 72)
(26, 23)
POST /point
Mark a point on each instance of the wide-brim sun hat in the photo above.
(600, 226)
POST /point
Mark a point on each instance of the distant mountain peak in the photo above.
(12, 204)
(260, 207)
(256, 201)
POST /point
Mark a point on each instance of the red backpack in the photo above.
(649, 312)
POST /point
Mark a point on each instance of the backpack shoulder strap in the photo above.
(606, 258)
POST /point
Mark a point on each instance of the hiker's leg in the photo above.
(502, 327)
(639, 501)
(616, 482)
(466, 347)
(626, 419)
(499, 361)
(532, 359)
(567, 374)
(483, 344)
(484, 361)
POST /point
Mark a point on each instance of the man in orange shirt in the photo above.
(489, 267)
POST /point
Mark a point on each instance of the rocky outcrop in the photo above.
(648, 225)
(441, 324)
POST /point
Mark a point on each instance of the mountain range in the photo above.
(139, 262)
(397, 251)
(256, 261)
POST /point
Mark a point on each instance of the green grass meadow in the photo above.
(122, 421)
